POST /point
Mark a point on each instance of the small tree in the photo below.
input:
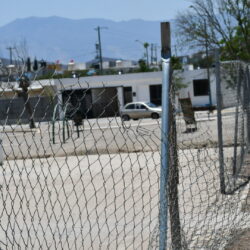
(176, 79)
(223, 24)
(43, 64)
(143, 65)
(146, 45)
(28, 64)
(176, 63)
(35, 65)
(24, 84)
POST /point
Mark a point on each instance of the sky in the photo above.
(116, 10)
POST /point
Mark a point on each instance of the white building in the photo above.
(112, 63)
(94, 93)
(100, 96)
(198, 87)
(72, 65)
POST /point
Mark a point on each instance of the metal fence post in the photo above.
(248, 107)
(53, 123)
(236, 127)
(219, 122)
(1, 152)
(163, 217)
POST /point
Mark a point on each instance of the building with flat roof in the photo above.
(103, 96)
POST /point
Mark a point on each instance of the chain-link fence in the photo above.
(208, 184)
(236, 163)
(75, 176)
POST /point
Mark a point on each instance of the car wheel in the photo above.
(125, 118)
(155, 116)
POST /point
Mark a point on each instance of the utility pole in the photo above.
(156, 59)
(97, 51)
(100, 46)
(146, 49)
(152, 53)
(10, 49)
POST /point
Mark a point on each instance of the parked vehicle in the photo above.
(91, 72)
(137, 110)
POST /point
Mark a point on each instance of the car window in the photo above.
(152, 105)
(140, 106)
(130, 106)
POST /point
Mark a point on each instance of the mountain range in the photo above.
(56, 38)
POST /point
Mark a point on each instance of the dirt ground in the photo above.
(101, 190)
(241, 242)
(111, 202)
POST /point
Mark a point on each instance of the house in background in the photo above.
(110, 92)
(199, 89)
(202, 92)
(112, 63)
(42, 98)
(103, 95)
(72, 66)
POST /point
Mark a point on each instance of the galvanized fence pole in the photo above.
(236, 127)
(248, 106)
(173, 174)
(219, 122)
(53, 123)
(163, 217)
(1, 152)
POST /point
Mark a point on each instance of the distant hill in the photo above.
(56, 38)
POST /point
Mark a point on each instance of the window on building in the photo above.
(127, 95)
(201, 87)
(112, 64)
(155, 94)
